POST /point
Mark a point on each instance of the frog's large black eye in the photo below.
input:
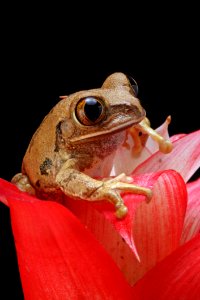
(90, 110)
(134, 85)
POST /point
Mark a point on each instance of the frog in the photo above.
(80, 134)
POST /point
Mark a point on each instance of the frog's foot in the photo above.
(75, 184)
(144, 128)
(110, 191)
(23, 183)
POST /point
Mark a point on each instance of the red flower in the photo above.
(154, 253)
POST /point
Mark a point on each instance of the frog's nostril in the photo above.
(138, 112)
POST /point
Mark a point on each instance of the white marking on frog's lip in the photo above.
(92, 136)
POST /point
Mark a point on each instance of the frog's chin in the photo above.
(95, 135)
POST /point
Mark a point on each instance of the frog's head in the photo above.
(86, 124)
(111, 108)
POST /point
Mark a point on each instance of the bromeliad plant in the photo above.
(153, 253)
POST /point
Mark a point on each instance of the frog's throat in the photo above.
(94, 135)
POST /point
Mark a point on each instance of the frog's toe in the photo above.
(121, 211)
(23, 183)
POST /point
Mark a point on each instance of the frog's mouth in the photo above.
(94, 135)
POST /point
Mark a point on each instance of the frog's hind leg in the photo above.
(23, 183)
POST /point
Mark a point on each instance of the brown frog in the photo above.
(78, 137)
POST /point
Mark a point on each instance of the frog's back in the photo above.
(39, 160)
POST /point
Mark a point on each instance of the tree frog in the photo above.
(78, 138)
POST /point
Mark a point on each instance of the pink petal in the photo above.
(149, 232)
(157, 227)
(176, 137)
(125, 161)
(58, 258)
(192, 219)
(184, 158)
(176, 278)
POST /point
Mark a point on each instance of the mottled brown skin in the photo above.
(63, 151)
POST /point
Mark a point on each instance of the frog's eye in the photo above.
(90, 111)
(134, 85)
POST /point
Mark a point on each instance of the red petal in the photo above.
(114, 234)
(153, 229)
(58, 258)
(192, 219)
(175, 278)
(184, 158)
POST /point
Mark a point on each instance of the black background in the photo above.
(40, 62)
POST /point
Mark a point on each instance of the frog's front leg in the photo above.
(141, 131)
(76, 184)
